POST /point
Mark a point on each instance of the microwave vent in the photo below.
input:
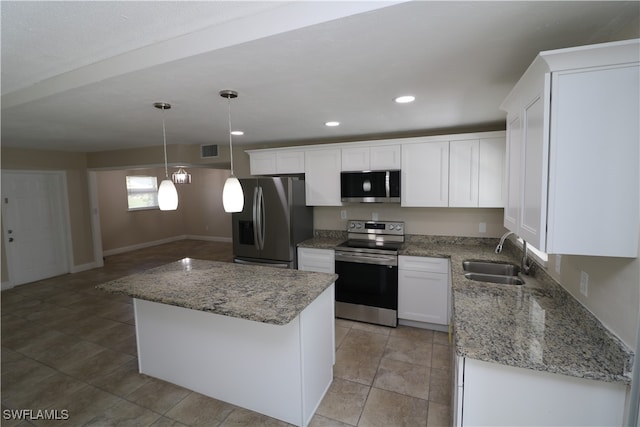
(209, 151)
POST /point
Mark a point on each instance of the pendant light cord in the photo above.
(230, 136)
(164, 138)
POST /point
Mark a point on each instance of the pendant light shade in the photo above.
(167, 196)
(232, 194)
(167, 193)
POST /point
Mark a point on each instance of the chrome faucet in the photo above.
(525, 265)
(502, 239)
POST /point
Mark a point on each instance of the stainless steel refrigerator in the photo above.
(274, 220)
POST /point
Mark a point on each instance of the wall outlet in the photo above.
(584, 283)
(558, 263)
(482, 228)
(374, 216)
(343, 214)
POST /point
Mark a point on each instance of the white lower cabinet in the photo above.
(319, 260)
(423, 289)
(490, 394)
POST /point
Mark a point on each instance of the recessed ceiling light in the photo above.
(405, 99)
(332, 124)
(237, 132)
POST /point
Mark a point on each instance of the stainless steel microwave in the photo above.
(370, 186)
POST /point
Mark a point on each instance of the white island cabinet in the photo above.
(573, 126)
(490, 394)
(261, 338)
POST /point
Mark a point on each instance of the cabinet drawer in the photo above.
(418, 263)
(319, 260)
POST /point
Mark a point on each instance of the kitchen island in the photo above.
(258, 337)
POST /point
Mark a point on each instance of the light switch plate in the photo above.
(482, 228)
(558, 263)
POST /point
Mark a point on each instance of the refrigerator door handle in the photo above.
(256, 225)
(261, 217)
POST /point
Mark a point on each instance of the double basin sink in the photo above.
(493, 272)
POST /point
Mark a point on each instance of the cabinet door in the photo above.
(385, 157)
(356, 159)
(423, 296)
(263, 163)
(322, 177)
(290, 161)
(319, 260)
(513, 172)
(491, 173)
(593, 164)
(535, 131)
(425, 174)
(463, 173)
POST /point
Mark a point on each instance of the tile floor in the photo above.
(67, 346)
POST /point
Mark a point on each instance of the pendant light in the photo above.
(181, 176)
(232, 195)
(167, 193)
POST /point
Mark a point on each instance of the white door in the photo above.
(34, 222)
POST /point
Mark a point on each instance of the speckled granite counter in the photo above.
(263, 294)
(537, 326)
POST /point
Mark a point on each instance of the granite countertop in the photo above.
(262, 294)
(538, 325)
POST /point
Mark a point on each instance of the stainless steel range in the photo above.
(367, 268)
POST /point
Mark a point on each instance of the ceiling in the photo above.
(83, 75)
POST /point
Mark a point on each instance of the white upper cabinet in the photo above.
(464, 157)
(491, 173)
(572, 135)
(276, 162)
(365, 158)
(425, 174)
(322, 176)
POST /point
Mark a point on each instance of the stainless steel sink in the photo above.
(493, 272)
(488, 267)
(495, 278)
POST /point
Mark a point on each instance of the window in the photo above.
(142, 192)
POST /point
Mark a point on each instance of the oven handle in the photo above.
(390, 260)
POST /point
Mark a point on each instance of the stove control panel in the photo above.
(375, 227)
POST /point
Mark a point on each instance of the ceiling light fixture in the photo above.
(232, 194)
(237, 132)
(167, 193)
(332, 124)
(405, 99)
(181, 177)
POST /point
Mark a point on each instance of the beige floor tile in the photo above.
(244, 418)
(354, 365)
(344, 323)
(344, 401)
(103, 362)
(199, 410)
(386, 408)
(364, 342)
(439, 415)
(81, 406)
(67, 351)
(123, 380)
(124, 414)
(49, 390)
(440, 386)
(376, 329)
(404, 378)
(441, 338)
(320, 421)
(416, 334)
(158, 395)
(340, 334)
(22, 374)
(409, 350)
(167, 422)
(442, 356)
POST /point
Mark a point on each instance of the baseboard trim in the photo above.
(6, 286)
(144, 245)
(87, 266)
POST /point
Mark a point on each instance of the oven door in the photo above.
(368, 283)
